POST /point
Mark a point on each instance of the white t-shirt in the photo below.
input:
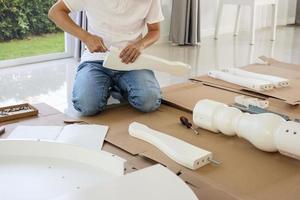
(118, 22)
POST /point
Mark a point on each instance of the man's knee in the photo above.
(147, 100)
(91, 89)
(87, 105)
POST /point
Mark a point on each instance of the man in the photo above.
(118, 23)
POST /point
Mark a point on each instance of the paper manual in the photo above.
(87, 136)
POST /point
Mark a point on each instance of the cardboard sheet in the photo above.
(290, 95)
(186, 95)
(245, 172)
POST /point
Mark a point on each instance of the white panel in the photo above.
(88, 136)
(36, 132)
(153, 183)
(35, 170)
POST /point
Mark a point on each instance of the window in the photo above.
(27, 35)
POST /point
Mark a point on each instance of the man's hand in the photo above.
(130, 53)
(94, 43)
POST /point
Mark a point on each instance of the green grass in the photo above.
(35, 45)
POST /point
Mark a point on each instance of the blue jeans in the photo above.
(94, 84)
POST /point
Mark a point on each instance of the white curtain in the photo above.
(298, 13)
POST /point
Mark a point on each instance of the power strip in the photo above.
(181, 152)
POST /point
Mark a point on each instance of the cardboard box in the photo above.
(290, 95)
(245, 172)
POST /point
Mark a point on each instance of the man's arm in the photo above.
(59, 14)
(130, 53)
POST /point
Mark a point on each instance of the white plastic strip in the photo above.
(152, 183)
(113, 61)
(181, 152)
(254, 84)
(278, 82)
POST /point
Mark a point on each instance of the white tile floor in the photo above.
(51, 82)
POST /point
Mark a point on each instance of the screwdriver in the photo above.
(184, 121)
(2, 130)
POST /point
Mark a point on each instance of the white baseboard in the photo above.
(33, 59)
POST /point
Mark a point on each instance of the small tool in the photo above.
(184, 121)
(2, 130)
(74, 121)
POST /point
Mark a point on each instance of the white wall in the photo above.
(286, 15)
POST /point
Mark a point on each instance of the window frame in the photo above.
(68, 53)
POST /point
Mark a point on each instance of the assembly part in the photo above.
(152, 183)
(278, 82)
(256, 110)
(287, 139)
(49, 169)
(259, 129)
(144, 61)
(254, 84)
(204, 112)
(267, 131)
(87, 136)
(225, 120)
(247, 101)
(181, 152)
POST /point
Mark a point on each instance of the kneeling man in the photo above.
(118, 23)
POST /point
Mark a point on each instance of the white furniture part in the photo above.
(87, 136)
(253, 4)
(259, 129)
(247, 101)
(278, 82)
(268, 132)
(287, 139)
(251, 83)
(215, 116)
(144, 61)
(181, 152)
(35, 170)
(36, 132)
(152, 183)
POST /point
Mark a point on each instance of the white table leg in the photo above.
(274, 25)
(237, 20)
(219, 15)
(253, 24)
